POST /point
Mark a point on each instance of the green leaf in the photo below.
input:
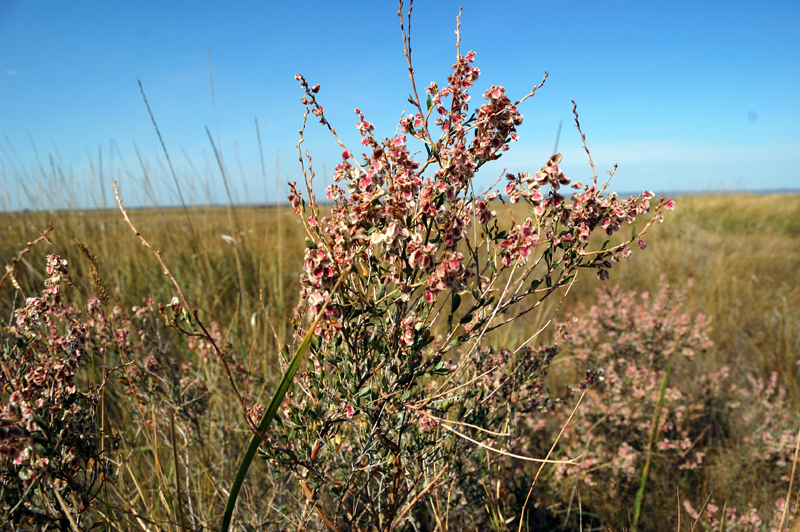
(455, 341)
(405, 378)
(548, 256)
(455, 303)
(411, 100)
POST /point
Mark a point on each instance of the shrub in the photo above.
(416, 269)
(712, 517)
(52, 465)
(633, 339)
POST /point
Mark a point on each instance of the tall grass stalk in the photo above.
(169, 163)
(791, 481)
(637, 505)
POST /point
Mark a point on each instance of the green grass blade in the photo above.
(255, 441)
(637, 505)
(277, 399)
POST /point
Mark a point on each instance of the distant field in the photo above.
(741, 250)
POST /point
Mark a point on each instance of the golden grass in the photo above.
(742, 251)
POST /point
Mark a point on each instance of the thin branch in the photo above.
(10, 267)
(583, 138)
(419, 495)
(220, 354)
(505, 453)
(552, 448)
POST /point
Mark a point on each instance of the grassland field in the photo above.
(742, 252)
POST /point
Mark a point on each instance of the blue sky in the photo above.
(683, 95)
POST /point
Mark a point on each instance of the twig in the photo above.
(442, 420)
(791, 480)
(504, 453)
(64, 508)
(192, 310)
(319, 509)
(419, 495)
(552, 448)
(583, 138)
(10, 267)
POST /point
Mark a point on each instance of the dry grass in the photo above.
(741, 250)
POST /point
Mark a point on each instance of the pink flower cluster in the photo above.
(48, 430)
(715, 518)
(633, 343)
(520, 243)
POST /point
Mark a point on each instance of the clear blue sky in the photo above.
(683, 95)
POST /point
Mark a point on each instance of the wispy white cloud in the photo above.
(10, 72)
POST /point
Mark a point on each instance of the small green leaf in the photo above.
(455, 303)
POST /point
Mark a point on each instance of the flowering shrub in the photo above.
(416, 269)
(712, 517)
(770, 424)
(51, 446)
(633, 344)
(49, 440)
(632, 339)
